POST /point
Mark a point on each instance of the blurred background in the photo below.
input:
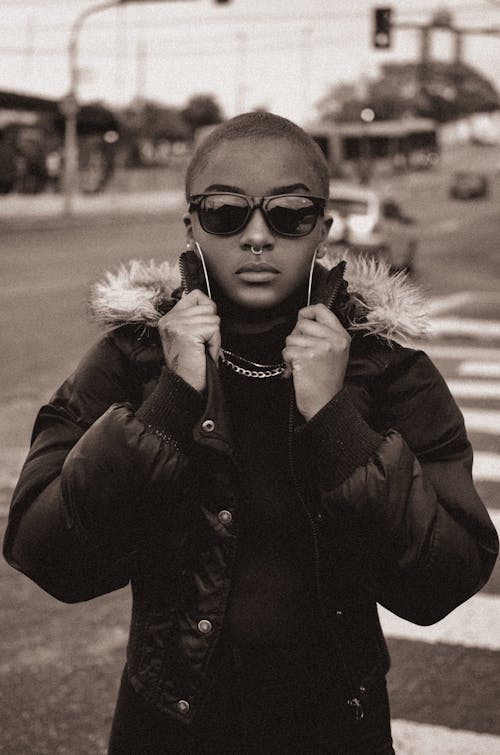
(101, 106)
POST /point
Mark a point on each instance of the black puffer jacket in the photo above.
(131, 477)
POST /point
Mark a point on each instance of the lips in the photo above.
(261, 267)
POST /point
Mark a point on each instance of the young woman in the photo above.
(263, 462)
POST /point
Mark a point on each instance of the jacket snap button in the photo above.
(204, 626)
(339, 613)
(224, 516)
(182, 706)
(208, 426)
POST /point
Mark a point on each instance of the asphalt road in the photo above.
(59, 665)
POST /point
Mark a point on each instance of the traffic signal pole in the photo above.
(70, 108)
(69, 104)
(383, 27)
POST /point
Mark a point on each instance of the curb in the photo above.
(103, 210)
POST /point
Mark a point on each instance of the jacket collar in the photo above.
(389, 306)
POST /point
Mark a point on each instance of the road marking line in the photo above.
(474, 388)
(412, 738)
(461, 352)
(495, 518)
(438, 304)
(486, 467)
(460, 326)
(473, 624)
(482, 420)
(480, 369)
(451, 301)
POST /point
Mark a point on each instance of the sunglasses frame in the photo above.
(258, 203)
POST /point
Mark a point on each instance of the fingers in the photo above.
(319, 313)
(214, 345)
(195, 298)
(312, 328)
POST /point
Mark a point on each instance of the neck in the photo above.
(243, 320)
(257, 326)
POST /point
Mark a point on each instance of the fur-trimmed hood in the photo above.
(389, 306)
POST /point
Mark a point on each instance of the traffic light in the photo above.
(382, 27)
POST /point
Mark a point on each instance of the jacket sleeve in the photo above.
(98, 476)
(406, 491)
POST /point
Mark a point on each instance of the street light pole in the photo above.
(69, 104)
(70, 107)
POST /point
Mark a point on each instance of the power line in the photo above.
(203, 21)
(231, 20)
(172, 51)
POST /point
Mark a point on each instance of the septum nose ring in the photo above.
(256, 251)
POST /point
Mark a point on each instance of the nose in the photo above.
(257, 233)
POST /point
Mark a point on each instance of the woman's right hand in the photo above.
(184, 331)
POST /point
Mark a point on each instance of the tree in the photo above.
(201, 110)
(150, 130)
(442, 91)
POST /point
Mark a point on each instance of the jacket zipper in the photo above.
(354, 702)
(182, 270)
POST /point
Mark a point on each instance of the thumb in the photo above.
(214, 345)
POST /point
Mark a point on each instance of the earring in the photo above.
(189, 246)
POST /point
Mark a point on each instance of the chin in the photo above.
(256, 298)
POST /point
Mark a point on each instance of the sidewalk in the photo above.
(21, 211)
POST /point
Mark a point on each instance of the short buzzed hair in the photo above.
(254, 126)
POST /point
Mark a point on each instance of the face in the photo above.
(258, 168)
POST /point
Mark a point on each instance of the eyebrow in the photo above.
(276, 190)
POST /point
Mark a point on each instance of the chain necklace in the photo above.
(263, 370)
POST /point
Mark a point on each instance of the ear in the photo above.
(186, 219)
(323, 239)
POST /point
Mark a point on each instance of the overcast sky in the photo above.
(280, 54)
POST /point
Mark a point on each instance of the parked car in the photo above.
(468, 184)
(367, 223)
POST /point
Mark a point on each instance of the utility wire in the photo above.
(231, 19)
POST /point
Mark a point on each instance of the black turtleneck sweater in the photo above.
(270, 595)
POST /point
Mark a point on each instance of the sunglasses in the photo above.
(225, 214)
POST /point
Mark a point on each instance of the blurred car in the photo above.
(367, 223)
(468, 184)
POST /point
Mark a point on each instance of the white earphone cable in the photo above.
(309, 287)
(205, 272)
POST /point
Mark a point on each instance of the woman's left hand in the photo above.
(316, 354)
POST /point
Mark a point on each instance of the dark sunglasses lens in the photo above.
(292, 216)
(222, 213)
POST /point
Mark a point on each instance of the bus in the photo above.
(406, 144)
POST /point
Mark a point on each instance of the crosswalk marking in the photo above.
(463, 326)
(449, 302)
(474, 388)
(459, 352)
(473, 624)
(486, 466)
(480, 369)
(461, 299)
(424, 739)
(482, 420)
(495, 518)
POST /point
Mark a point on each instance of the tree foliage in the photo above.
(157, 122)
(201, 110)
(442, 91)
